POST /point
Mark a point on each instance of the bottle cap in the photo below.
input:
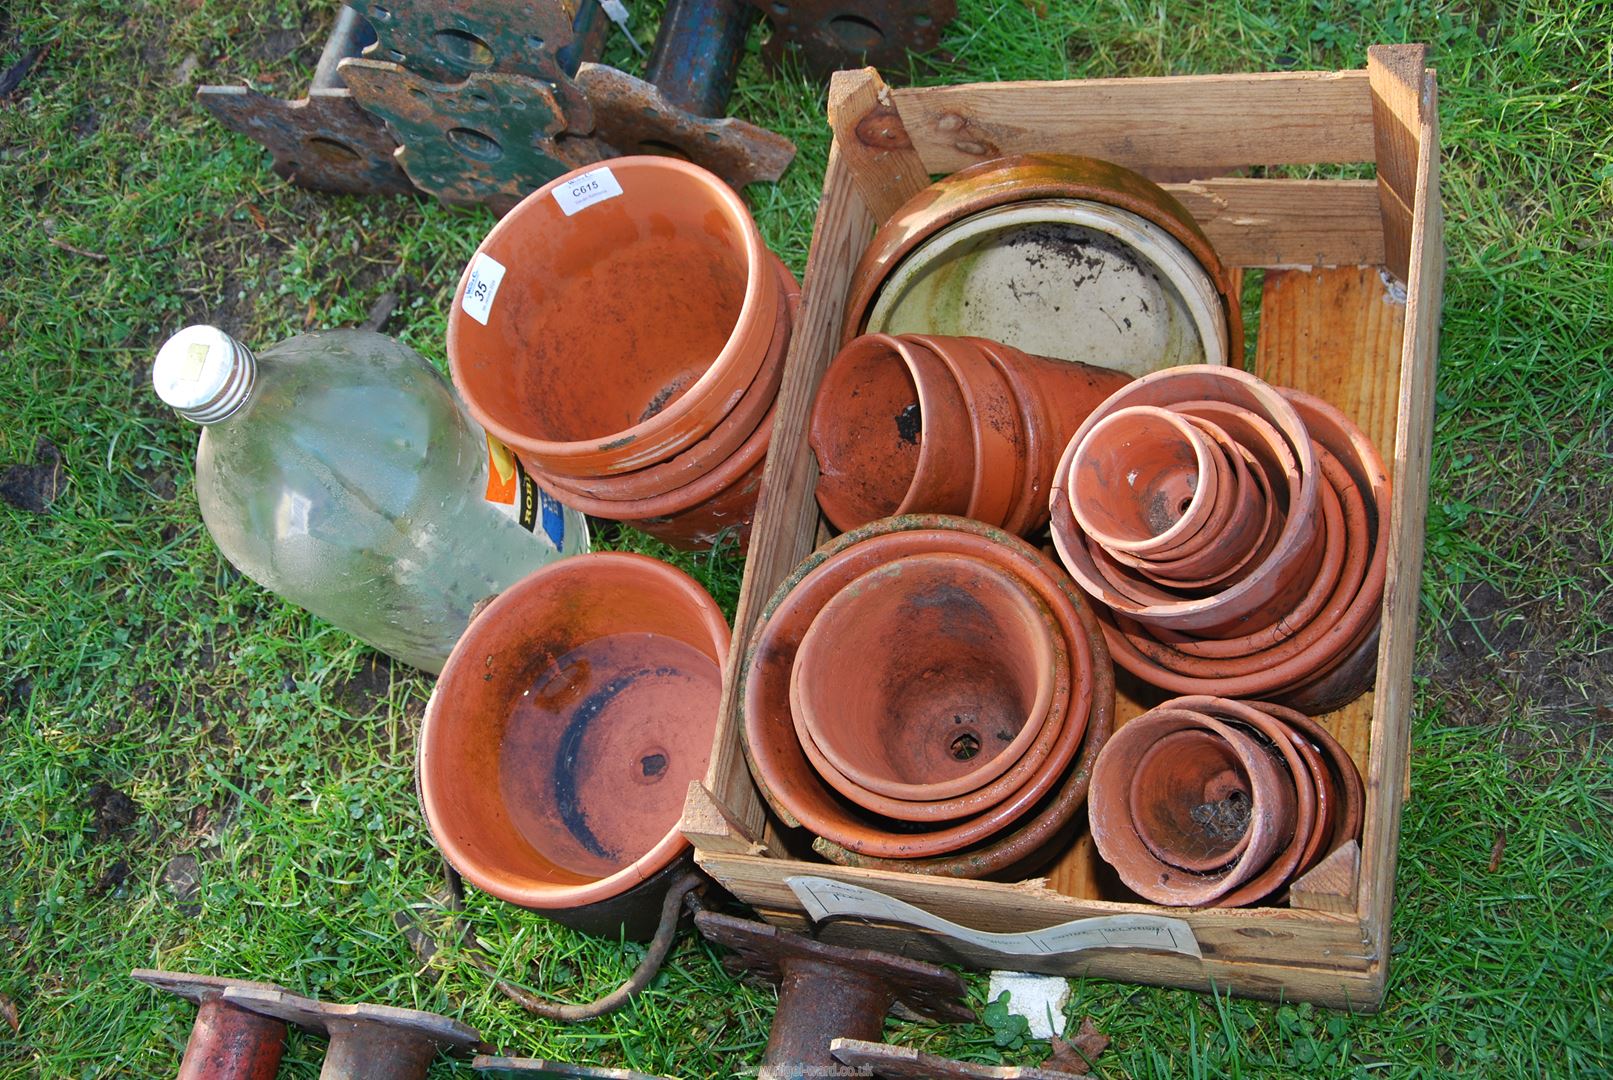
(204, 373)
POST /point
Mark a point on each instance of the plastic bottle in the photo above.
(339, 470)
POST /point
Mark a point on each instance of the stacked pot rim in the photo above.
(1206, 801)
(623, 331)
(1237, 548)
(1001, 820)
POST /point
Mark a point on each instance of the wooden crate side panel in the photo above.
(1268, 935)
(1395, 73)
(787, 513)
(873, 143)
(1388, 770)
(1287, 222)
(1281, 118)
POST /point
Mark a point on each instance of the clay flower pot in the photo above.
(1114, 210)
(953, 677)
(891, 433)
(561, 738)
(1218, 808)
(1350, 809)
(613, 335)
(1143, 481)
(780, 767)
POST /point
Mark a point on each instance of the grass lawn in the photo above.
(195, 776)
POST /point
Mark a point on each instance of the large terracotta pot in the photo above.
(612, 335)
(1064, 184)
(781, 769)
(561, 738)
(954, 676)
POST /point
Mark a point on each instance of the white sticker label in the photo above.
(593, 186)
(824, 898)
(481, 287)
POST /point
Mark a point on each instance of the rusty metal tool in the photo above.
(512, 1066)
(323, 140)
(829, 991)
(677, 108)
(226, 1042)
(833, 34)
(367, 1042)
(905, 1063)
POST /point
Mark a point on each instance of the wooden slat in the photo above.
(1257, 935)
(1388, 771)
(874, 145)
(1330, 885)
(1395, 74)
(1282, 118)
(1287, 222)
(787, 512)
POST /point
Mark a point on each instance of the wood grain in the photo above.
(1287, 222)
(1330, 885)
(1395, 74)
(873, 143)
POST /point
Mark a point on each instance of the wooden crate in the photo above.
(1349, 311)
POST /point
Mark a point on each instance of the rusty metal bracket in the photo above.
(367, 1042)
(635, 117)
(834, 34)
(491, 139)
(904, 1063)
(512, 1066)
(226, 1042)
(324, 140)
(829, 991)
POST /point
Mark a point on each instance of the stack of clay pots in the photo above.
(623, 330)
(1205, 801)
(917, 423)
(1233, 534)
(928, 694)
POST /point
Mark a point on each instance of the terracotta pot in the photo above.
(727, 437)
(778, 764)
(1278, 739)
(953, 678)
(1055, 397)
(621, 333)
(561, 738)
(998, 438)
(1143, 481)
(1235, 532)
(1350, 810)
(1269, 807)
(1272, 586)
(1010, 180)
(1347, 680)
(889, 426)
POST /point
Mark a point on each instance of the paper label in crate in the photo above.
(593, 186)
(824, 898)
(481, 287)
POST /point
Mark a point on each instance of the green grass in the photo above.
(275, 751)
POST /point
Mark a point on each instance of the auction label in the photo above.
(591, 187)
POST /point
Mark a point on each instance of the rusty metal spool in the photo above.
(226, 1042)
(828, 35)
(829, 991)
(324, 140)
(366, 1042)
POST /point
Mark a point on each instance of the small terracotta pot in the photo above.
(1270, 808)
(954, 676)
(1350, 810)
(781, 770)
(560, 740)
(1143, 481)
(1235, 531)
(999, 440)
(891, 434)
(726, 438)
(621, 333)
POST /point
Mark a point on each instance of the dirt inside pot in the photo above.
(585, 768)
(1190, 801)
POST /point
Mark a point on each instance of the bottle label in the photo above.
(481, 287)
(593, 186)
(516, 495)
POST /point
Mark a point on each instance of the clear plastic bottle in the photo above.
(340, 471)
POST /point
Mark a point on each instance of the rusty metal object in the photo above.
(678, 107)
(558, 1070)
(832, 34)
(829, 991)
(491, 139)
(324, 141)
(226, 1042)
(636, 118)
(905, 1063)
(367, 1042)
